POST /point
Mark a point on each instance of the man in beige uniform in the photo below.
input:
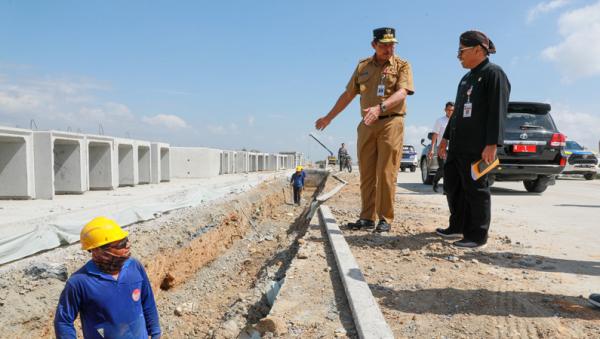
(383, 82)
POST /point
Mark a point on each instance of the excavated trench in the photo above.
(240, 265)
(214, 269)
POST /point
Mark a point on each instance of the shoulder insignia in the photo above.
(365, 59)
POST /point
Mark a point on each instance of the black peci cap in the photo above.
(477, 38)
(384, 35)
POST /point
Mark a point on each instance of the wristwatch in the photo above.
(382, 107)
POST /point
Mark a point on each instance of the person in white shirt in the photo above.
(438, 132)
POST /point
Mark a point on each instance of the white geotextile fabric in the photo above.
(47, 233)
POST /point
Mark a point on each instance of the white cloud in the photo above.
(169, 121)
(581, 127)
(217, 129)
(413, 134)
(251, 120)
(578, 55)
(545, 7)
(108, 112)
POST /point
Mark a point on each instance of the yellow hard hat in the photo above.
(298, 168)
(100, 231)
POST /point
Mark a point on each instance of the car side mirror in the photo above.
(422, 141)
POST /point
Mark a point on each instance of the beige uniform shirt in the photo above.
(394, 74)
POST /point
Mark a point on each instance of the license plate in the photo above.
(524, 148)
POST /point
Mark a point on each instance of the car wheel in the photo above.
(413, 168)
(589, 176)
(425, 176)
(403, 169)
(535, 186)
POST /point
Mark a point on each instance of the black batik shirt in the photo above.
(490, 91)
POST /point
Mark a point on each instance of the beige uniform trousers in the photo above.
(379, 149)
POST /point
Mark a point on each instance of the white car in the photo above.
(409, 158)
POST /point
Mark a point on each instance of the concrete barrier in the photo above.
(59, 163)
(195, 162)
(17, 179)
(144, 164)
(102, 164)
(161, 162)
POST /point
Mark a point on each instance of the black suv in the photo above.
(532, 150)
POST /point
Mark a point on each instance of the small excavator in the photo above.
(331, 159)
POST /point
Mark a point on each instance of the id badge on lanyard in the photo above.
(468, 107)
(381, 86)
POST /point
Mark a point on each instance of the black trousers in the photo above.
(440, 172)
(297, 194)
(469, 200)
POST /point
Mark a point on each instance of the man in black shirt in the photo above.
(474, 131)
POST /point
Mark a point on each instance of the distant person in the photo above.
(383, 82)
(111, 293)
(436, 138)
(342, 154)
(473, 133)
(297, 183)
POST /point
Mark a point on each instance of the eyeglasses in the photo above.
(117, 244)
(461, 50)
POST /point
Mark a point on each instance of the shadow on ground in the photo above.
(530, 262)
(451, 301)
(413, 242)
(419, 188)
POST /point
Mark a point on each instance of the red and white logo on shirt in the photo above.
(135, 295)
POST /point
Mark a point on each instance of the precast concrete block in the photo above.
(195, 162)
(59, 163)
(103, 163)
(272, 162)
(227, 162)
(144, 164)
(241, 162)
(127, 162)
(161, 162)
(17, 180)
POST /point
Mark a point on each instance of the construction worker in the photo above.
(383, 81)
(297, 182)
(111, 292)
(342, 154)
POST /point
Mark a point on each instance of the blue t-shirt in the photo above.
(298, 179)
(108, 308)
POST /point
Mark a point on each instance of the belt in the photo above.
(381, 117)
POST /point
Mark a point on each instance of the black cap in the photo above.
(384, 34)
(477, 38)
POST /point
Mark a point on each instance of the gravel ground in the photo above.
(426, 288)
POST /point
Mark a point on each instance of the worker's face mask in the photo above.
(111, 257)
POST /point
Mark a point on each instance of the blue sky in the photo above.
(256, 75)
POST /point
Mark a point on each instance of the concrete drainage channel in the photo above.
(215, 271)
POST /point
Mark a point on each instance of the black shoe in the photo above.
(361, 223)
(435, 187)
(595, 299)
(382, 226)
(466, 243)
(447, 233)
